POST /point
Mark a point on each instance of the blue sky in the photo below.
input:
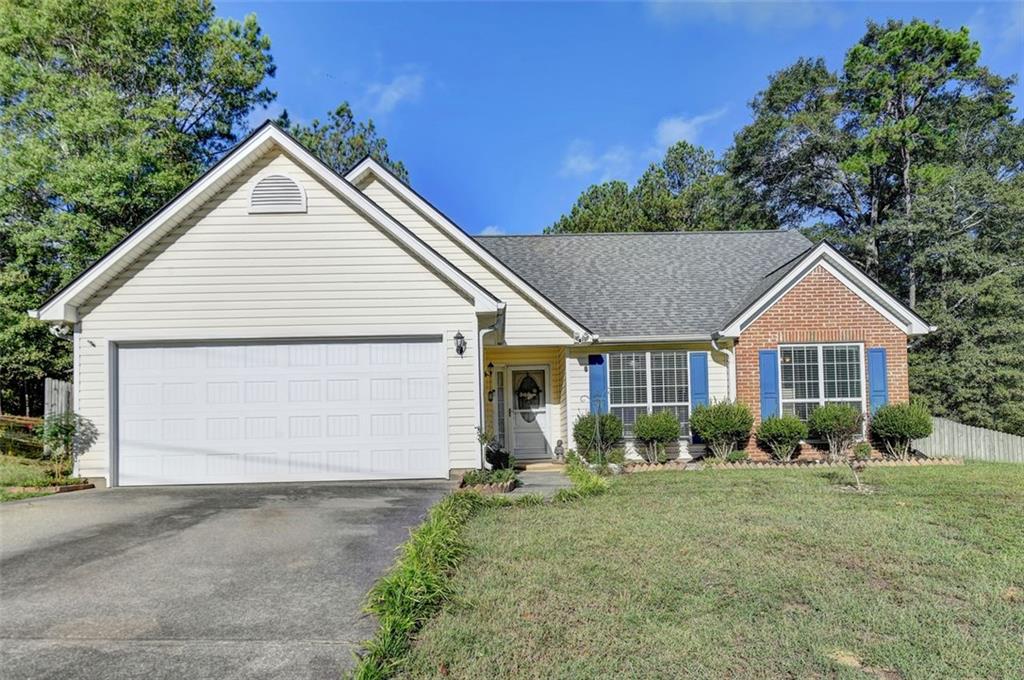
(503, 113)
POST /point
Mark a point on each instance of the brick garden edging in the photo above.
(752, 465)
(503, 487)
(50, 489)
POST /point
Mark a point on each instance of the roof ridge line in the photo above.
(642, 233)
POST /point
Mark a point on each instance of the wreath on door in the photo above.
(528, 396)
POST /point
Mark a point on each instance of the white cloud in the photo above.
(620, 162)
(675, 128)
(581, 159)
(1001, 33)
(386, 96)
(755, 15)
(492, 230)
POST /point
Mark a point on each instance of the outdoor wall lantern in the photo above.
(460, 343)
(490, 369)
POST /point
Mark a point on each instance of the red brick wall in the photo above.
(818, 309)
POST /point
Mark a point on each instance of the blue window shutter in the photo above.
(699, 393)
(598, 383)
(768, 360)
(878, 378)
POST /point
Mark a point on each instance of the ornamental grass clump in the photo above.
(896, 426)
(722, 426)
(839, 425)
(417, 585)
(782, 436)
(655, 431)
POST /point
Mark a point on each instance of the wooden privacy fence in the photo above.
(57, 397)
(950, 438)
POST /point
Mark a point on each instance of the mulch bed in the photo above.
(751, 465)
(50, 489)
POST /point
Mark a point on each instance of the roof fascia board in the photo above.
(833, 261)
(484, 301)
(369, 166)
(63, 305)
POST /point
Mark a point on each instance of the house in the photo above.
(277, 321)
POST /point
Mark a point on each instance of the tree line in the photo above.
(107, 110)
(909, 159)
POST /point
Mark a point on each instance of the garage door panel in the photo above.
(280, 412)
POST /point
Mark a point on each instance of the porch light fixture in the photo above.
(460, 343)
(490, 369)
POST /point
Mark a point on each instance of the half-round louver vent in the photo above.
(277, 194)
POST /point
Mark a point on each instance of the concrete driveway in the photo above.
(247, 581)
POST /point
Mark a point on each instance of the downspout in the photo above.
(499, 323)
(731, 354)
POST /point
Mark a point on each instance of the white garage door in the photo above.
(260, 412)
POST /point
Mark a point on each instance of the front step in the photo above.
(542, 466)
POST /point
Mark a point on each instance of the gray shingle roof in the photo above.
(651, 284)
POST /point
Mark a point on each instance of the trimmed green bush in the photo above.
(655, 431)
(839, 425)
(722, 425)
(585, 431)
(897, 425)
(782, 436)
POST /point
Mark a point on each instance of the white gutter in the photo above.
(652, 338)
(498, 320)
(731, 353)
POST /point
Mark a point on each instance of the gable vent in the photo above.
(277, 194)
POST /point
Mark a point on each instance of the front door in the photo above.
(529, 412)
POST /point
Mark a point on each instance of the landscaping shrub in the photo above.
(721, 425)
(586, 430)
(65, 437)
(655, 431)
(616, 456)
(782, 436)
(897, 425)
(839, 425)
(496, 476)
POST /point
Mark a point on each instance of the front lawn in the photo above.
(759, 573)
(18, 471)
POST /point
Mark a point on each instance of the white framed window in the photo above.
(645, 382)
(817, 374)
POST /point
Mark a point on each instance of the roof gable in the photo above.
(63, 306)
(826, 256)
(369, 170)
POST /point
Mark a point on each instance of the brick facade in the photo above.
(819, 309)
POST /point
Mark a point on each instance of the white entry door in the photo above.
(529, 412)
(283, 411)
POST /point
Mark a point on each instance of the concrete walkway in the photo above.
(546, 482)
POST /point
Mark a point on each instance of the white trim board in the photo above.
(64, 305)
(369, 166)
(845, 272)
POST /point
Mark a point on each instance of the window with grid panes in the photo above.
(813, 375)
(645, 382)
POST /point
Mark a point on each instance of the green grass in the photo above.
(17, 471)
(759, 573)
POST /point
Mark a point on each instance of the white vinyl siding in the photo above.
(226, 274)
(525, 324)
(814, 375)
